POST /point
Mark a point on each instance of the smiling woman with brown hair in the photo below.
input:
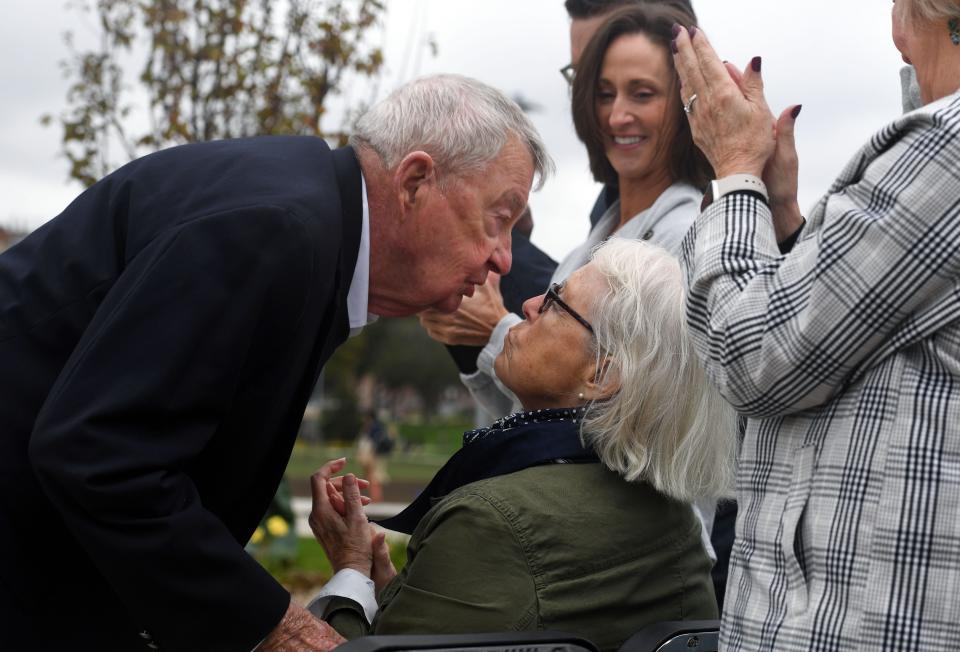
(627, 111)
(568, 515)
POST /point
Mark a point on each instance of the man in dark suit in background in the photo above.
(159, 340)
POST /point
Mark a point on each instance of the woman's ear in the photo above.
(412, 174)
(602, 382)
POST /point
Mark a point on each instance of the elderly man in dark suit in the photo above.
(159, 340)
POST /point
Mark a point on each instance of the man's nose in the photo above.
(501, 259)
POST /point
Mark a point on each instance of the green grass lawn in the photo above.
(311, 568)
(403, 467)
(423, 449)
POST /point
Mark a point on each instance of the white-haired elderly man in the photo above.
(159, 340)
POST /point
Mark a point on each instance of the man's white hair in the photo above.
(666, 424)
(461, 122)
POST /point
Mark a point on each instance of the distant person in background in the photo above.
(844, 353)
(570, 514)
(374, 443)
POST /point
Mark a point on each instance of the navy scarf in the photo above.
(510, 444)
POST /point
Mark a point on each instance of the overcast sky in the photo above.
(835, 57)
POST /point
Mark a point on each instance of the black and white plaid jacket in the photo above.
(845, 354)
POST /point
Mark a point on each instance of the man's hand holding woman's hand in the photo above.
(301, 631)
(336, 519)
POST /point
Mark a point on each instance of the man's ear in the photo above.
(602, 381)
(412, 174)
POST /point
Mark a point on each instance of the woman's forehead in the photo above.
(582, 284)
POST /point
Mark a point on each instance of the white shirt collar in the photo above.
(359, 293)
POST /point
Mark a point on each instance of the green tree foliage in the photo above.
(340, 375)
(398, 353)
(209, 69)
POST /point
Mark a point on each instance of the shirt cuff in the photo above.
(488, 395)
(495, 344)
(349, 583)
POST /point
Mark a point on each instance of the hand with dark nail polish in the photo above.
(673, 46)
(676, 29)
(781, 174)
(737, 138)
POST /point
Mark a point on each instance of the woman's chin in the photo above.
(499, 365)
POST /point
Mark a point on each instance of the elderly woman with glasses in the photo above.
(569, 514)
(844, 353)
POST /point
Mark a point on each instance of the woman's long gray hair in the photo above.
(666, 424)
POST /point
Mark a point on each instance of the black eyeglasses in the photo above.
(553, 296)
(568, 73)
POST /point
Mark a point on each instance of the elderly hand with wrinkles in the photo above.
(733, 125)
(338, 521)
(473, 322)
(341, 527)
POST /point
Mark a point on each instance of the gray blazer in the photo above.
(845, 353)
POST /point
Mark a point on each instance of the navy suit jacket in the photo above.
(158, 343)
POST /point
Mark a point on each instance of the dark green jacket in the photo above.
(569, 547)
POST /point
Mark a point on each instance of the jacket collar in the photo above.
(511, 444)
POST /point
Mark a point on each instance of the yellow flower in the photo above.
(277, 527)
(258, 535)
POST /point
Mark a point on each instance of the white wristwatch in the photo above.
(734, 183)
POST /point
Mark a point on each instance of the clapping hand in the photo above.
(734, 127)
(782, 171)
(730, 121)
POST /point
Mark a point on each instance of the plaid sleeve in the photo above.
(873, 272)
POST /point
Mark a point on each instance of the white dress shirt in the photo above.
(359, 293)
(349, 583)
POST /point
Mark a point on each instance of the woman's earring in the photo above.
(580, 396)
(954, 25)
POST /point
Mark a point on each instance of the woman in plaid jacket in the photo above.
(844, 353)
